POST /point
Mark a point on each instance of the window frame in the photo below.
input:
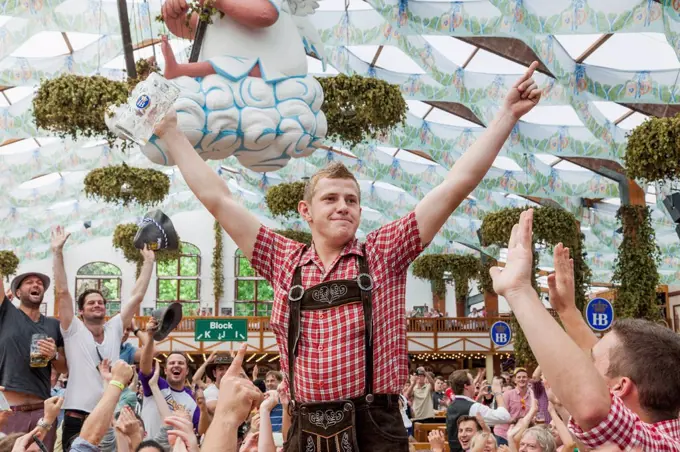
(180, 278)
(256, 301)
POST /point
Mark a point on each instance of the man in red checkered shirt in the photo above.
(622, 389)
(339, 305)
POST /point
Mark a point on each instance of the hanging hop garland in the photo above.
(635, 267)
(551, 226)
(298, 236)
(432, 267)
(9, 262)
(283, 199)
(126, 185)
(123, 239)
(75, 105)
(218, 263)
(653, 150)
(205, 13)
(485, 283)
(361, 108)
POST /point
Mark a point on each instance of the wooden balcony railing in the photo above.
(413, 324)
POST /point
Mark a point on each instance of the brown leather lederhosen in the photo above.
(332, 426)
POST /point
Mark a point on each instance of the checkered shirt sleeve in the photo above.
(272, 253)
(625, 429)
(396, 244)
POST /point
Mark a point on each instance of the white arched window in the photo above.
(180, 280)
(254, 294)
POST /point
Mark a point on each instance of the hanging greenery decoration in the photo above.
(360, 108)
(123, 239)
(653, 150)
(635, 268)
(218, 264)
(551, 226)
(9, 262)
(75, 105)
(205, 12)
(298, 236)
(126, 185)
(485, 281)
(462, 268)
(283, 199)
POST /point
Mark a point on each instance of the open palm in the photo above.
(518, 269)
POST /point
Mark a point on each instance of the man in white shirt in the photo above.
(463, 387)
(90, 339)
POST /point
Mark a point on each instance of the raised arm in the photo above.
(146, 361)
(571, 373)
(141, 286)
(438, 205)
(563, 300)
(61, 292)
(241, 225)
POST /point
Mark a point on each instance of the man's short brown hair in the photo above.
(648, 354)
(334, 170)
(466, 418)
(277, 375)
(458, 380)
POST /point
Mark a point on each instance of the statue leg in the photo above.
(173, 69)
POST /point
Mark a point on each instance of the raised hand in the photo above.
(58, 238)
(516, 276)
(524, 94)
(122, 372)
(147, 254)
(238, 395)
(105, 371)
(153, 381)
(437, 440)
(52, 408)
(271, 399)
(561, 283)
(182, 432)
(48, 348)
(168, 123)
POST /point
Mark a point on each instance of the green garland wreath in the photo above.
(635, 268)
(432, 267)
(298, 236)
(75, 105)
(123, 239)
(283, 199)
(127, 184)
(360, 108)
(551, 226)
(485, 283)
(218, 263)
(9, 262)
(653, 150)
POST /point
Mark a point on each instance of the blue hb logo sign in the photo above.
(143, 101)
(500, 334)
(599, 314)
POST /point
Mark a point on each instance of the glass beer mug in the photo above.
(146, 106)
(37, 358)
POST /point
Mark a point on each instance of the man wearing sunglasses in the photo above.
(89, 338)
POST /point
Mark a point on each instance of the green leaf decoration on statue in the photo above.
(551, 226)
(9, 262)
(635, 268)
(74, 106)
(360, 108)
(123, 239)
(283, 199)
(298, 236)
(653, 150)
(122, 184)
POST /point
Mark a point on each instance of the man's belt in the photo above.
(27, 407)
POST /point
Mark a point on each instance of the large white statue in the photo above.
(249, 95)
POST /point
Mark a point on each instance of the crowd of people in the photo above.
(340, 324)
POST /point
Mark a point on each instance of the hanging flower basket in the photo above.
(9, 262)
(298, 236)
(283, 199)
(74, 106)
(123, 239)
(653, 150)
(462, 269)
(126, 185)
(361, 108)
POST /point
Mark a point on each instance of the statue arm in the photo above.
(253, 13)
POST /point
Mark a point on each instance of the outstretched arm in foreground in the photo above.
(64, 298)
(141, 286)
(241, 225)
(571, 373)
(438, 205)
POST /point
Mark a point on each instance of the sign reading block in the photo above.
(221, 330)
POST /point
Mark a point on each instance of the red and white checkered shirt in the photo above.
(625, 429)
(331, 355)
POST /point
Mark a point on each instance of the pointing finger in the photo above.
(527, 75)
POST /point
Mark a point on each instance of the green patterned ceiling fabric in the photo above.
(433, 57)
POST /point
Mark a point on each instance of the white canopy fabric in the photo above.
(604, 63)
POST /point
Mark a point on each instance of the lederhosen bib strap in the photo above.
(329, 426)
